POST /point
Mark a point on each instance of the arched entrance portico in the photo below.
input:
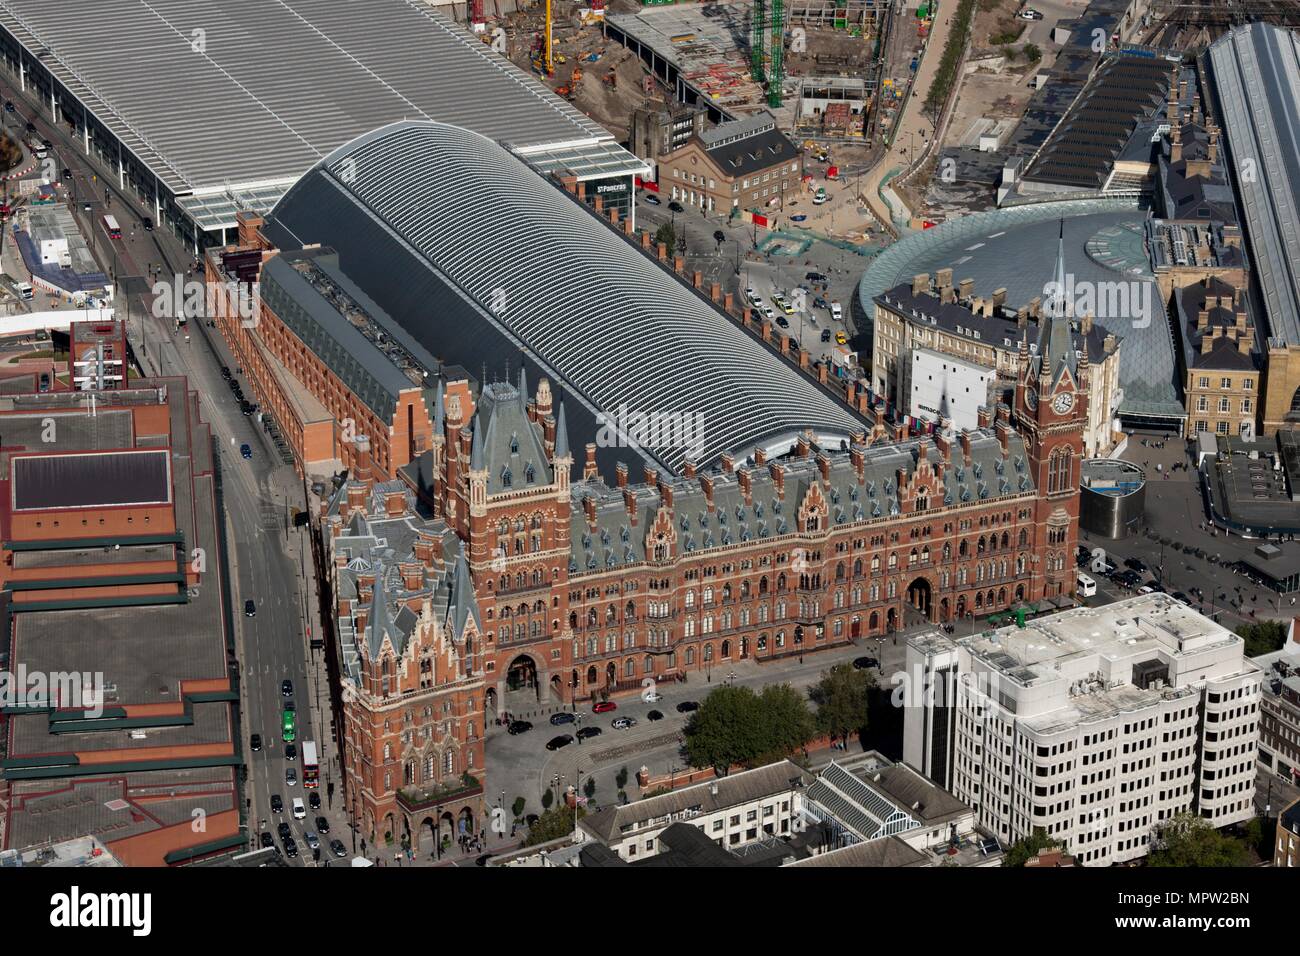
(919, 594)
(522, 673)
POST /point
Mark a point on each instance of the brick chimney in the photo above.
(394, 503)
(824, 465)
(620, 474)
(589, 470)
(746, 486)
(688, 469)
(964, 439)
(920, 283)
(589, 506)
(412, 576)
(760, 456)
(629, 504)
(651, 475)
(777, 471)
(706, 483)
(728, 464)
(859, 460)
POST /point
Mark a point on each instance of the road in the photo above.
(269, 561)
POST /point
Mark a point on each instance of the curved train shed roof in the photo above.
(465, 245)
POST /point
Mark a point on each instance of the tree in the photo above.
(517, 808)
(547, 799)
(553, 824)
(841, 699)
(1263, 637)
(1031, 53)
(665, 234)
(1188, 840)
(589, 788)
(620, 778)
(1024, 850)
(736, 726)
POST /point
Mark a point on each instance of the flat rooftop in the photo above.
(296, 78)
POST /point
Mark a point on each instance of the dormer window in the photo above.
(530, 473)
(506, 477)
(514, 444)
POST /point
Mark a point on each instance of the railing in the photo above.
(420, 798)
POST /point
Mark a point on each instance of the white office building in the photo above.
(1095, 724)
(938, 386)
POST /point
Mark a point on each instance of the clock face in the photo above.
(1063, 403)
(1031, 398)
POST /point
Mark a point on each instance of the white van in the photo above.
(299, 809)
(1087, 588)
(24, 290)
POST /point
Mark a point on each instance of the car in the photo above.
(1030, 14)
(652, 697)
(1145, 589)
(290, 706)
(255, 742)
(862, 663)
(286, 688)
(519, 727)
(147, 223)
(9, 106)
(1137, 564)
(786, 307)
(31, 127)
(225, 372)
(782, 321)
(312, 839)
(767, 312)
(675, 206)
(338, 849)
(290, 777)
(313, 800)
(246, 450)
(47, 144)
(816, 277)
(268, 841)
(841, 338)
(563, 717)
(1180, 596)
(290, 847)
(250, 609)
(604, 707)
(652, 199)
(290, 752)
(299, 811)
(322, 825)
(826, 335)
(624, 723)
(277, 805)
(555, 743)
(585, 733)
(67, 173)
(837, 311)
(798, 218)
(686, 706)
(752, 295)
(654, 715)
(284, 830)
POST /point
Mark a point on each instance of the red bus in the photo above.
(310, 765)
(112, 228)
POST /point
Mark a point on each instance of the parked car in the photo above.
(255, 742)
(313, 800)
(624, 723)
(9, 106)
(338, 849)
(1136, 564)
(604, 707)
(586, 733)
(519, 727)
(652, 199)
(654, 715)
(322, 825)
(782, 321)
(563, 717)
(1180, 596)
(555, 743)
(686, 706)
(816, 277)
(862, 663)
(299, 811)
(147, 223)
(826, 335)
(652, 697)
(675, 206)
(1029, 13)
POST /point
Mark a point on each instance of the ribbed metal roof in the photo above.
(615, 327)
(246, 95)
(1256, 76)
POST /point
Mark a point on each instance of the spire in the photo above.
(1055, 345)
(477, 458)
(562, 436)
(523, 383)
(1059, 304)
(439, 410)
(463, 603)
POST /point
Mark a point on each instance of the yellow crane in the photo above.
(547, 51)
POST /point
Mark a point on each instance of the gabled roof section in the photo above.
(464, 605)
(511, 447)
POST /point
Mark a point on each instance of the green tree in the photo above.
(547, 799)
(1263, 637)
(517, 808)
(553, 824)
(1024, 850)
(736, 726)
(620, 778)
(1031, 53)
(1188, 840)
(667, 236)
(841, 699)
(589, 788)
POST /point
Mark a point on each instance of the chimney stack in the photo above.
(620, 474)
(590, 472)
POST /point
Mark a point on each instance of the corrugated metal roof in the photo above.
(246, 95)
(593, 310)
(91, 480)
(1256, 78)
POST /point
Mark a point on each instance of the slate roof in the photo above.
(888, 852)
(1224, 354)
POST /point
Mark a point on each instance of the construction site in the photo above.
(812, 63)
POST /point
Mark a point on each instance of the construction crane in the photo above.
(543, 50)
(768, 65)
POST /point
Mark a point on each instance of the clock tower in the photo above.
(1051, 412)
